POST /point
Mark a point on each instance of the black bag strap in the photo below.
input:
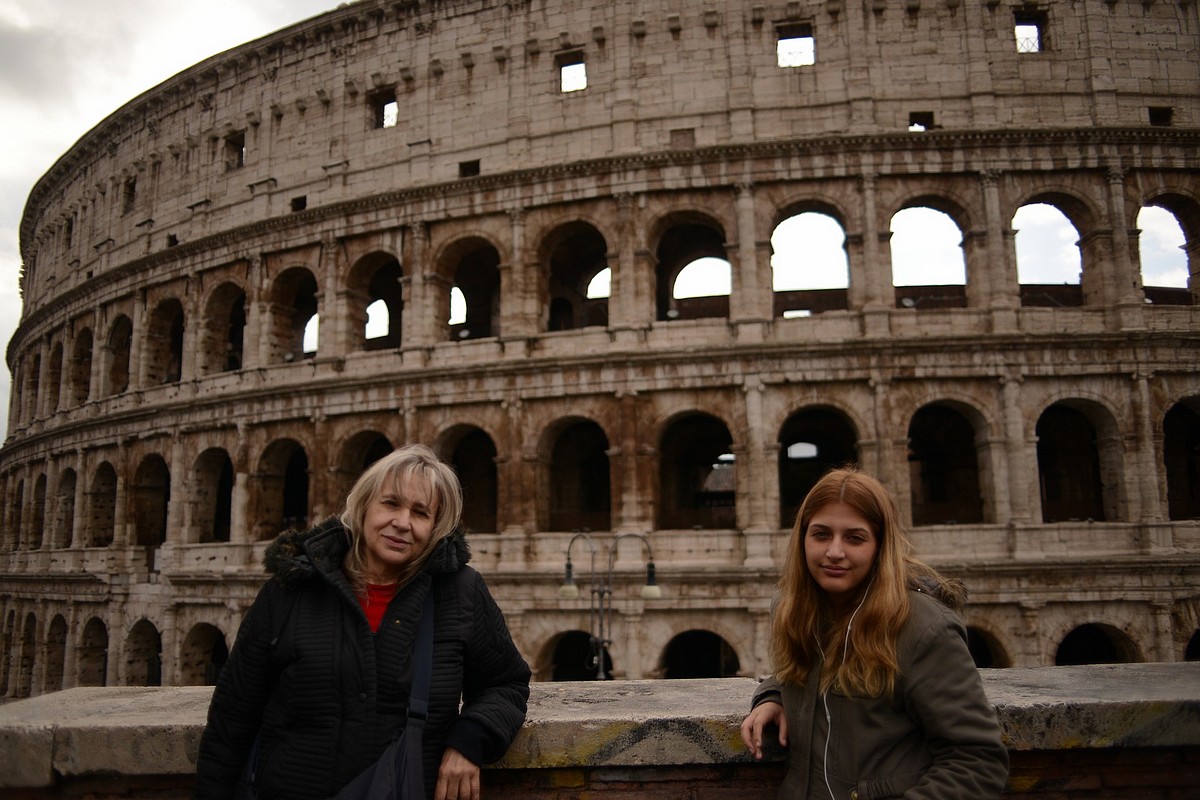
(418, 698)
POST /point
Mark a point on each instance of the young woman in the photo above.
(874, 691)
(321, 669)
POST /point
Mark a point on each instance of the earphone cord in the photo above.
(825, 693)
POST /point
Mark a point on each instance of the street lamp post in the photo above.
(600, 605)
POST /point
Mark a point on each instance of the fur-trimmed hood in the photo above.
(296, 556)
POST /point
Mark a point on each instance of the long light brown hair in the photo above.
(445, 493)
(858, 659)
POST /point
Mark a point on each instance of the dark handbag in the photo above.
(399, 774)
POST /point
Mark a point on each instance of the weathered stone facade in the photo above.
(169, 414)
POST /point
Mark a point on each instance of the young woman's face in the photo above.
(396, 527)
(840, 548)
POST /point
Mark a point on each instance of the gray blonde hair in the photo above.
(415, 460)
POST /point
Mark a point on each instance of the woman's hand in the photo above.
(765, 713)
(458, 778)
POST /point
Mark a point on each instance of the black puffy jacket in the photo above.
(327, 694)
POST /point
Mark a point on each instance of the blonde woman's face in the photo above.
(840, 546)
(396, 527)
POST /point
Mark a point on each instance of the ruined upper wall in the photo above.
(478, 81)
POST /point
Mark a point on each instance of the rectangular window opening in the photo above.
(795, 46)
(572, 72)
(299, 203)
(1029, 29)
(128, 195)
(1161, 116)
(235, 151)
(385, 110)
(919, 121)
(468, 169)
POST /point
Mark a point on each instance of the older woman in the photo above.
(322, 666)
(874, 690)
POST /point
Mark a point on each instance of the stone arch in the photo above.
(54, 379)
(56, 654)
(1096, 643)
(941, 279)
(1184, 206)
(572, 254)
(149, 498)
(576, 480)
(698, 653)
(1079, 462)
(26, 657)
(101, 518)
(1181, 459)
(573, 656)
(681, 239)
(33, 386)
(202, 656)
(211, 488)
(375, 286)
(80, 380)
(471, 265)
(162, 357)
(472, 453)
(697, 484)
(282, 489)
(91, 657)
(223, 330)
(357, 452)
(1085, 219)
(293, 306)
(17, 518)
(63, 524)
(116, 353)
(143, 655)
(812, 441)
(987, 651)
(37, 515)
(945, 473)
(7, 640)
(806, 235)
(1049, 260)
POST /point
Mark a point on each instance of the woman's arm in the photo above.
(495, 683)
(236, 709)
(945, 695)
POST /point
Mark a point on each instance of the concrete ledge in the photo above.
(143, 733)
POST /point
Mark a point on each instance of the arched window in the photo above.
(56, 654)
(384, 301)
(64, 511)
(224, 330)
(474, 460)
(699, 654)
(578, 482)
(697, 475)
(1181, 456)
(283, 501)
(150, 499)
(1163, 257)
(54, 378)
(80, 381)
(928, 268)
(294, 310)
(811, 443)
(575, 253)
(162, 361)
(101, 507)
(1049, 263)
(809, 268)
(576, 658)
(119, 339)
(143, 655)
(1096, 644)
(91, 657)
(476, 275)
(203, 654)
(1068, 457)
(212, 497)
(693, 277)
(943, 467)
(986, 651)
(37, 517)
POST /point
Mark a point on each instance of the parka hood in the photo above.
(296, 556)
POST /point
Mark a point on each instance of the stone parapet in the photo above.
(1129, 730)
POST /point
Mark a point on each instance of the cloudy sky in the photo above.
(67, 64)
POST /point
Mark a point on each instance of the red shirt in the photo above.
(375, 602)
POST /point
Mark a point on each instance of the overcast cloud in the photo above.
(65, 65)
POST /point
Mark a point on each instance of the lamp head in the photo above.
(651, 591)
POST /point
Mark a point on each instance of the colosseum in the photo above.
(467, 223)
